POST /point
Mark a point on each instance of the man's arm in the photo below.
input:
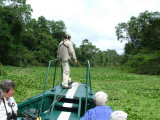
(75, 61)
(72, 52)
(58, 53)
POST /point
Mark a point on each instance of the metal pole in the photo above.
(45, 86)
(55, 74)
(87, 87)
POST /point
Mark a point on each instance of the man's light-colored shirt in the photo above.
(66, 50)
(98, 113)
(3, 115)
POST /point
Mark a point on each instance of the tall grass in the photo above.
(138, 95)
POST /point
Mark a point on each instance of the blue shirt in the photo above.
(98, 113)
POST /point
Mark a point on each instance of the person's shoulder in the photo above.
(109, 108)
(90, 110)
(61, 42)
(68, 42)
(94, 109)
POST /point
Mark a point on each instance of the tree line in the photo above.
(26, 41)
(142, 50)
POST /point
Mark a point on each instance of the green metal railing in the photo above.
(88, 84)
(49, 65)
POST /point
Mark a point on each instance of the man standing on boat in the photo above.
(65, 53)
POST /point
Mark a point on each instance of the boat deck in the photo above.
(58, 103)
(69, 103)
(78, 90)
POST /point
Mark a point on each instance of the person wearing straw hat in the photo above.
(65, 53)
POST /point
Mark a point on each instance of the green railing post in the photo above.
(46, 84)
(54, 74)
(91, 92)
(88, 72)
(79, 107)
(61, 72)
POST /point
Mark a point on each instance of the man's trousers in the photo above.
(66, 74)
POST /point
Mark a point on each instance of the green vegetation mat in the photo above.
(138, 95)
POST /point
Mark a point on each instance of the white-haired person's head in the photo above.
(100, 98)
(118, 115)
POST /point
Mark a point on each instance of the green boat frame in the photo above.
(58, 103)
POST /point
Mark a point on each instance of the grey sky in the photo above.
(94, 20)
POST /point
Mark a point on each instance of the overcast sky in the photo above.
(94, 20)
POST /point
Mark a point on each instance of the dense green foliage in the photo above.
(2, 71)
(141, 63)
(138, 95)
(142, 50)
(87, 51)
(26, 41)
